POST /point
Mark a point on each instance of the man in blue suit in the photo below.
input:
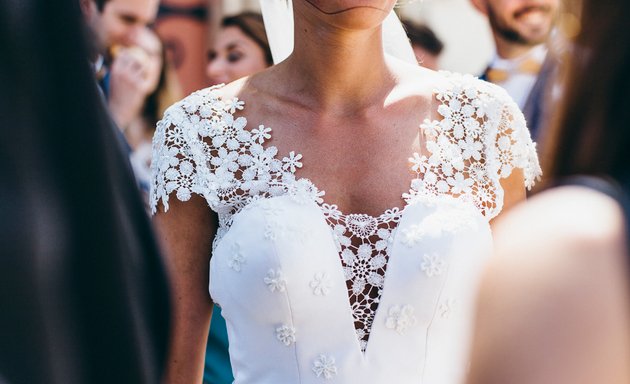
(117, 23)
(522, 65)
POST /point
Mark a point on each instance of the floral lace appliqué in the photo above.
(362, 241)
(432, 264)
(275, 281)
(285, 334)
(325, 367)
(321, 284)
(236, 258)
(400, 319)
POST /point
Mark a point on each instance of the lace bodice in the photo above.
(201, 147)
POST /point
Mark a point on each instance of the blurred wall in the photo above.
(468, 45)
(186, 28)
(464, 31)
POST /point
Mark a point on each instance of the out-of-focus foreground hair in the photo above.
(100, 4)
(84, 297)
(591, 134)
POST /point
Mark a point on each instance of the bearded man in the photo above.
(522, 65)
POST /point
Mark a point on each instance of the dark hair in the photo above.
(252, 25)
(100, 4)
(84, 297)
(424, 37)
(592, 134)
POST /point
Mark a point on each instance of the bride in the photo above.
(345, 197)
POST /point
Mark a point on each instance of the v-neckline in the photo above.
(388, 221)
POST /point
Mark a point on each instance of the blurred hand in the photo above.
(129, 85)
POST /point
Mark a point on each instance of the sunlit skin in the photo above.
(518, 25)
(233, 56)
(425, 58)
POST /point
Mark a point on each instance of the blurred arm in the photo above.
(554, 304)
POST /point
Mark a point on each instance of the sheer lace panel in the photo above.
(362, 243)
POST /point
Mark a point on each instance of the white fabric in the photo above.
(278, 18)
(276, 268)
(519, 84)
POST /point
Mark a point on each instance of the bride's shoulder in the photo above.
(448, 85)
(469, 86)
(217, 93)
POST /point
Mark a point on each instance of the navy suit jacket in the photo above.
(536, 109)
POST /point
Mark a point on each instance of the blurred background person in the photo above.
(84, 295)
(240, 49)
(165, 90)
(564, 317)
(426, 45)
(119, 23)
(522, 65)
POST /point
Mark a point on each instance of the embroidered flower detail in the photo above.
(261, 134)
(460, 184)
(270, 232)
(506, 155)
(392, 215)
(303, 191)
(236, 259)
(447, 308)
(432, 264)
(292, 162)
(286, 335)
(418, 163)
(361, 225)
(325, 366)
(234, 104)
(400, 319)
(471, 148)
(321, 284)
(331, 212)
(275, 281)
(430, 128)
(412, 235)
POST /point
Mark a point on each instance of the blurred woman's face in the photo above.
(233, 56)
(150, 43)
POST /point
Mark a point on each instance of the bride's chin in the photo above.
(353, 14)
(340, 6)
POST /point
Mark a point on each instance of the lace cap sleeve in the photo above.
(480, 139)
(508, 144)
(512, 143)
(182, 147)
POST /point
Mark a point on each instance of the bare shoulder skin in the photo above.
(554, 307)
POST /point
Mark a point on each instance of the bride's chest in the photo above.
(281, 243)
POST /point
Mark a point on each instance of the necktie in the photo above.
(529, 66)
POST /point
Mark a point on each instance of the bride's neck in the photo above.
(338, 69)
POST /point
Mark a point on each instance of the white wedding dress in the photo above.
(311, 295)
